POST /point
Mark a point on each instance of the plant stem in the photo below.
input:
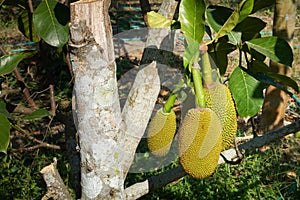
(207, 71)
(170, 103)
(197, 79)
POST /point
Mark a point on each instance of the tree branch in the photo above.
(56, 188)
(139, 189)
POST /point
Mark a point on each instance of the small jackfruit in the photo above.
(218, 98)
(200, 142)
(161, 132)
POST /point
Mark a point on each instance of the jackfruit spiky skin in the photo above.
(200, 142)
(218, 98)
(161, 132)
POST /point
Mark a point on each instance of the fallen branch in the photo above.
(139, 189)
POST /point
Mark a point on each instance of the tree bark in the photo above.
(107, 137)
(160, 42)
(276, 100)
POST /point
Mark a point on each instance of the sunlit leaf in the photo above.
(245, 9)
(156, 20)
(235, 38)
(50, 20)
(192, 19)
(10, 61)
(247, 92)
(275, 48)
(37, 114)
(4, 133)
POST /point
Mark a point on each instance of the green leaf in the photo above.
(260, 4)
(25, 25)
(37, 114)
(263, 73)
(10, 61)
(3, 110)
(229, 25)
(250, 28)
(156, 20)
(217, 16)
(247, 92)
(4, 133)
(275, 48)
(192, 19)
(235, 38)
(50, 20)
(245, 9)
(218, 51)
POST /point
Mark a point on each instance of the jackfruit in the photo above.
(161, 132)
(218, 98)
(200, 142)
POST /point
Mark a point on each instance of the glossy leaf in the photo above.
(260, 4)
(250, 28)
(218, 52)
(156, 20)
(10, 61)
(50, 20)
(217, 16)
(263, 73)
(235, 38)
(37, 114)
(247, 92)
(4, 133)
(25, 25)
(245, 9)
(275, 48)
(192, 19)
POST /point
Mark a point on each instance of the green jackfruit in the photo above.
(161, 132)
(200, 142)
(218, 98)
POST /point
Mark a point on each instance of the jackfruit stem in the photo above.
(170, 103)
(197, 79)
(207, 71)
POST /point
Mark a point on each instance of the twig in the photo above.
(25, 90)
(40, 143)
(50, 146)
(52, 101)
(139, 189)
(70, 67)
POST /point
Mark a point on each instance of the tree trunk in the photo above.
(161, 41)
(107, 137)
(275, 102)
